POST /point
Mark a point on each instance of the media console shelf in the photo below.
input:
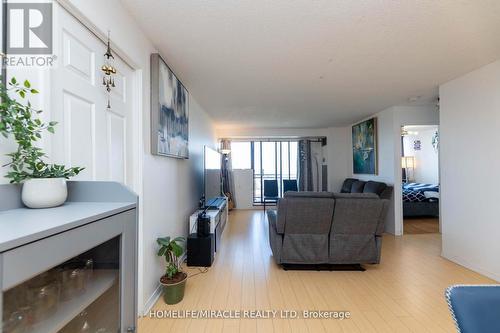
(218, 217)
(201, 250)
(69, 268)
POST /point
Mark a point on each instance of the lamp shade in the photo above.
(225, 146)
(408, 162)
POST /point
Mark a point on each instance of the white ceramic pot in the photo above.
(44, 192)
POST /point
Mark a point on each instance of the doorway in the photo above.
(421, 185)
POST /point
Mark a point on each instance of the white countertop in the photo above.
(23, 225)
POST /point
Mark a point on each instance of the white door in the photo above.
(89, 134)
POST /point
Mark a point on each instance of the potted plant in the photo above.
(174, 280)
(44, 185)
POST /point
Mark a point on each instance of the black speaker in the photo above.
(203, 225)
(200, 250)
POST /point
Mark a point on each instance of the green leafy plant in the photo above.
(172, 251)
(20, 121)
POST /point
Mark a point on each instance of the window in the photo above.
(241, 157)
(270, 160)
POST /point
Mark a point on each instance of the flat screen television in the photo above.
(213, 175)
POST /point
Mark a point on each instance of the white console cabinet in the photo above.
(71, 268)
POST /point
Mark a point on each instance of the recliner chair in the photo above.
(327, 228)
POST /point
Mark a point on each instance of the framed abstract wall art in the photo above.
(364, 147)
(169, 112)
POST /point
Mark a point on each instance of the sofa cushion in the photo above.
(374, 187)
(308, 215)
(358, 186)
(308, 194)
(347, 185)
(387, 193)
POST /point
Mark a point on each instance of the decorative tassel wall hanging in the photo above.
(109, 70)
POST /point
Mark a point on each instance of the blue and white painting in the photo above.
(364, 147)
(173, 120)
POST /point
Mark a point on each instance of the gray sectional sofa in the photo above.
(329, 228)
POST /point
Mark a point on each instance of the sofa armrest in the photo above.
(272, 217)
(383, 216)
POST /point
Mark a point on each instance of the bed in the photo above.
(420, 200)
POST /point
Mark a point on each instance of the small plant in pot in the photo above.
(44, 185)
(174, 280)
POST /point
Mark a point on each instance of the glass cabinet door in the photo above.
(79, 295)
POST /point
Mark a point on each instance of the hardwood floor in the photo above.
(421, 226)
(402, 294)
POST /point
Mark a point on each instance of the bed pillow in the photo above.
(431, 194)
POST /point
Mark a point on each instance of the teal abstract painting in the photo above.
(364, 147)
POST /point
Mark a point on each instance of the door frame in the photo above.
(398, 182)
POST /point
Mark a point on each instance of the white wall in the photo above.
(470, 162)
(6, 146)
(339, 156)
(38, 79)
(243, 188)
(427, 158)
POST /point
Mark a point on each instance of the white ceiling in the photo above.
(285, 63)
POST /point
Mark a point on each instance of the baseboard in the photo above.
(152, 300)
(156, 294)
(252, 208)
(462, 262)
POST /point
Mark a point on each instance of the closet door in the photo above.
(89, 134)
